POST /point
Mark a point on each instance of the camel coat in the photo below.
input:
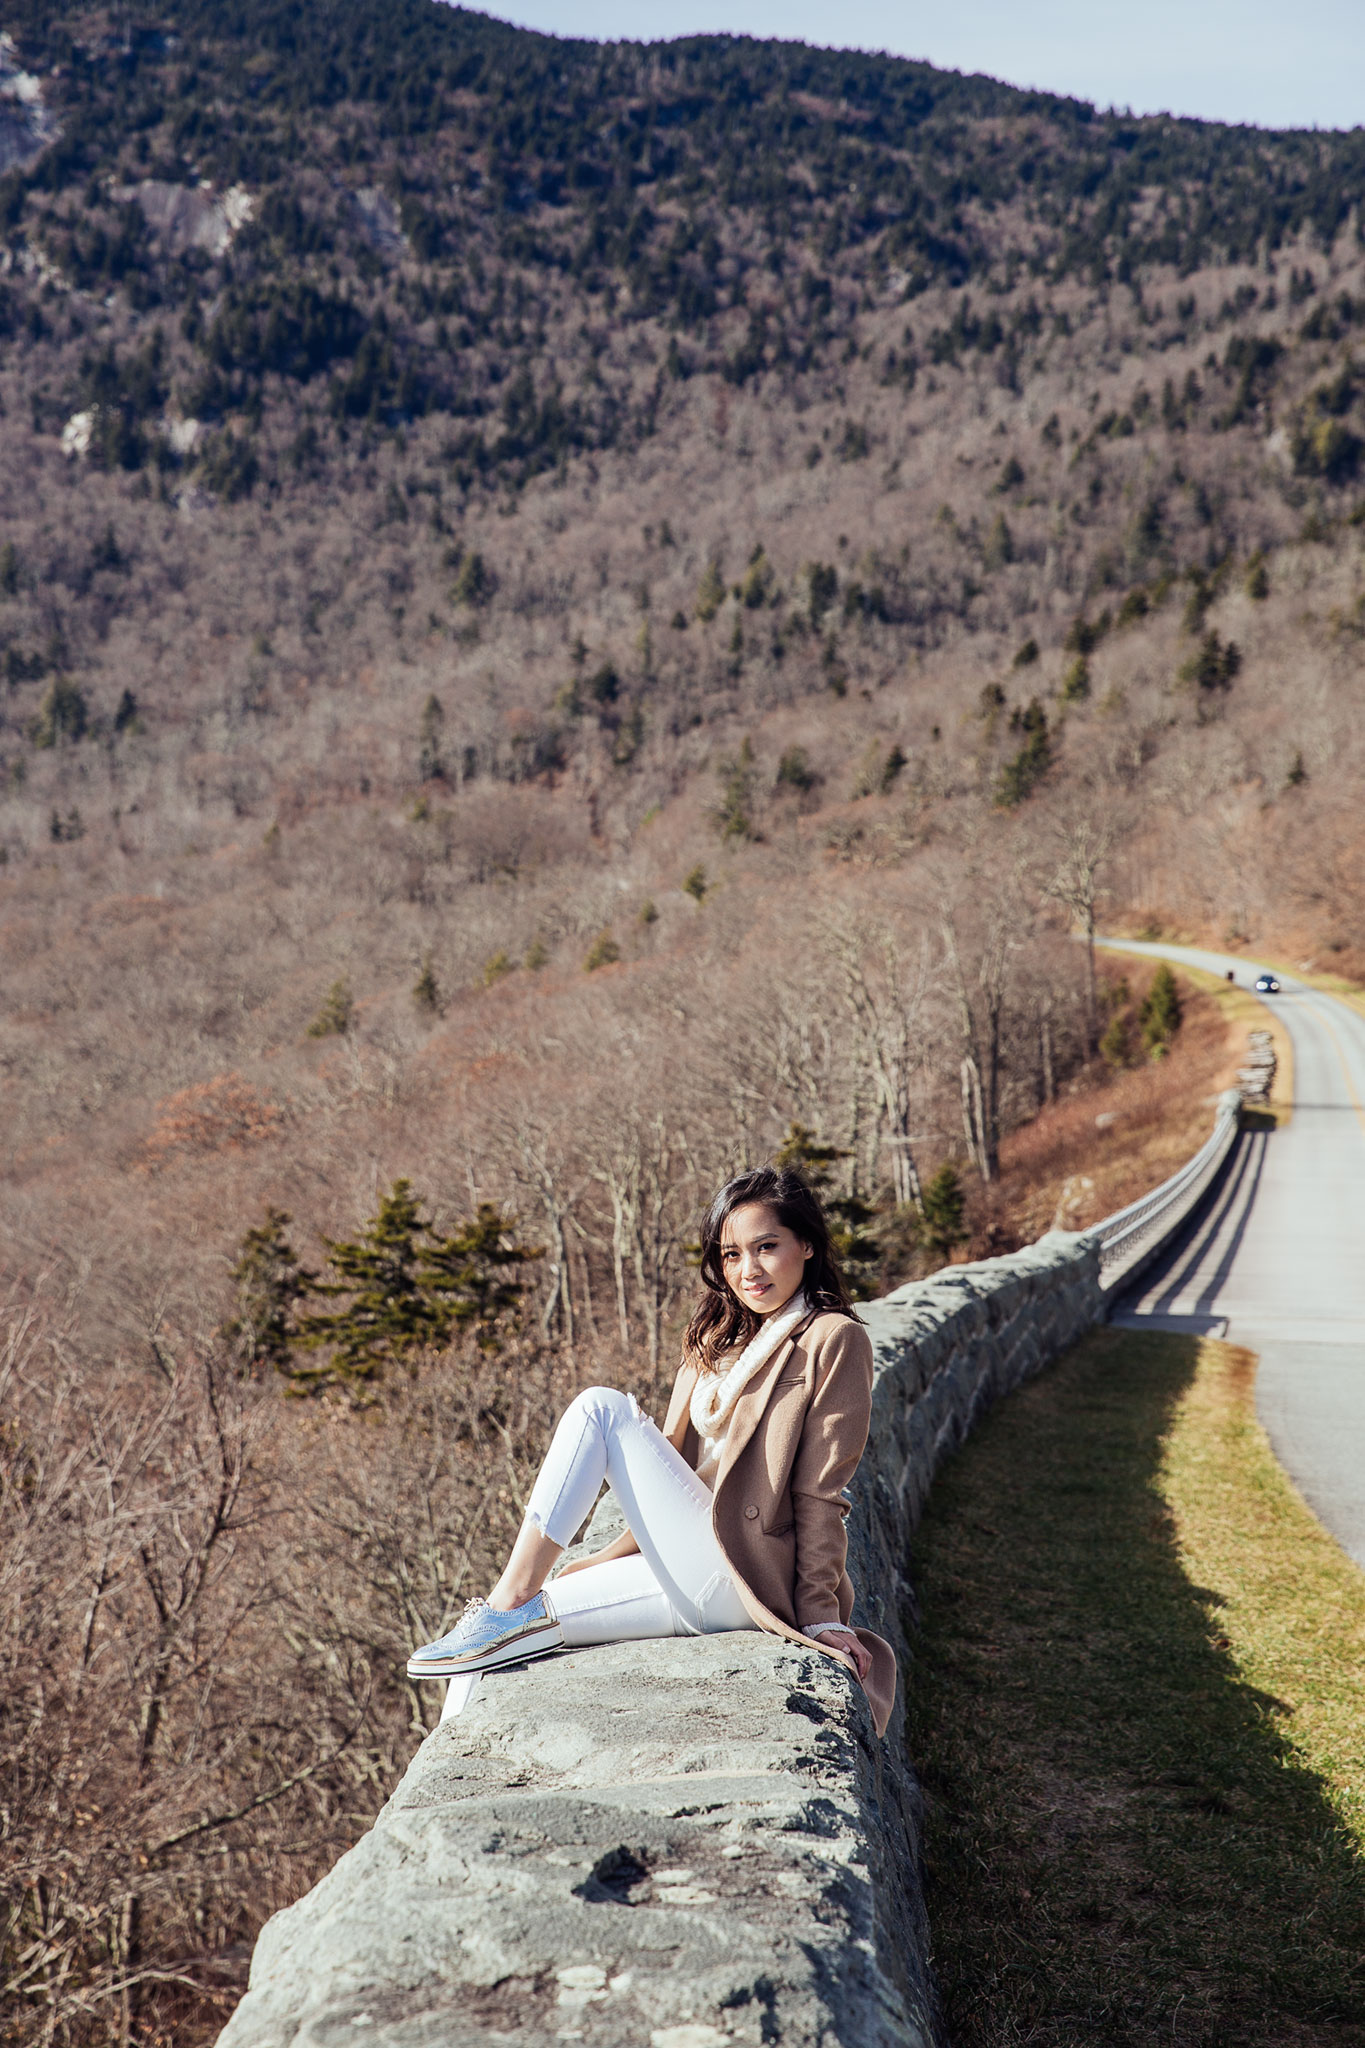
(795, 1439)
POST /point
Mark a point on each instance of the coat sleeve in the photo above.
(832, 1441)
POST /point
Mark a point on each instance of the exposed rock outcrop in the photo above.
(679, 1843)
(26, 122)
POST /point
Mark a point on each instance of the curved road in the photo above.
(1277, 1262)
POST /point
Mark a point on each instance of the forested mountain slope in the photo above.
(564, 611)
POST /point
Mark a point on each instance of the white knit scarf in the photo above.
(715, 1394)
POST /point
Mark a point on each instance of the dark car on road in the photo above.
(1266, 985)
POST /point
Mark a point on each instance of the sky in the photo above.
(1275, 63)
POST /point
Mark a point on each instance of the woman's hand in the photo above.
(848, 1650)
(623, 1546)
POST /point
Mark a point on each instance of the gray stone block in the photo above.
(685, 1843)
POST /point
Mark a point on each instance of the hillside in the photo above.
(565, 611)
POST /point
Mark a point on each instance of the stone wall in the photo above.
(684, 1843)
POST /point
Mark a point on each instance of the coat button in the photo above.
(751, 1514)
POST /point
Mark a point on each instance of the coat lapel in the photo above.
(752, 1402)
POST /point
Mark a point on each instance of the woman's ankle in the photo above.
(504, 1596)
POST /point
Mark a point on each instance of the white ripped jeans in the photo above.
(680, 1584)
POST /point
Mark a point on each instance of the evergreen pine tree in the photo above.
(334, 1018)
(270, 1286)
(426, 990)
(468, 1276)
(1160, 1014)
(945, 1204)
(430, 766)
(857, 1252)
(387, 1313)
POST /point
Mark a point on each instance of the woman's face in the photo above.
(762, 1260)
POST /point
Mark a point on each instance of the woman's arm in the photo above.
(832, 1440)
(623, 1545)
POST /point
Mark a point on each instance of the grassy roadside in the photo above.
(1243, 1012)
(1139, 1720)
(1118, 1132)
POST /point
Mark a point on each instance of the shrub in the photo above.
(229, 467)
(1026, 655)
(537, 955)
(494, 968)
(1258, 578)
(1213, 665)
(426, 992)
(999, 548)
(430, 767)
(710, 592)
(943, 1224)
(695, 884)
(1076, 681)
(756, 588)
(731, 816)
(794, 770)
(1160, 1015)
(1327, 449)
(822, 580)
(62, 715)
(1019, 777)
(474, 583)
(1116, 1043)
(335, 1017)
(853, 444)
(1085, 635)
(603, 952)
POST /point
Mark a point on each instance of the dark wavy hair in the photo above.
(721, 1320)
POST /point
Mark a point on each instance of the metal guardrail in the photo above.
(1136, 1234)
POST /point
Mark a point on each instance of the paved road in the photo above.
(1278, 1262)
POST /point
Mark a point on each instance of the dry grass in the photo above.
(1138, 1719)
(1114, 1135)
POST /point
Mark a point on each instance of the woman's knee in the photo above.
(607, 1406)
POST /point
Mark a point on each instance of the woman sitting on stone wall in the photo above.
(735, 1508)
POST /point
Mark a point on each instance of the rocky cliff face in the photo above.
(687, 1842)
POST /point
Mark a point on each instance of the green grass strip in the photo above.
(1138, 1712)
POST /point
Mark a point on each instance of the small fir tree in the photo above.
(469, 1276)
(426, 990)
(431, 724)
(387, 1313)
(1160, 1015)
(603, 952)
(732, 814)
(1019, 777)
(858, 1252)
(335, 1017)
(710, 592)
(271, 1284)
(943, 1226)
